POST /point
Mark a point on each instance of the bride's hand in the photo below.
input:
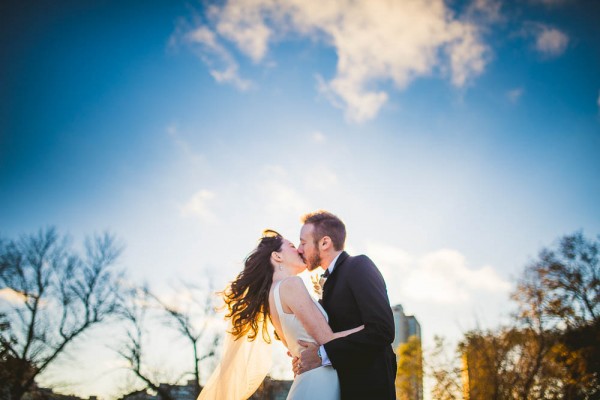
(295, 363)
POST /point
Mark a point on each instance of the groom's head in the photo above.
(322, 236)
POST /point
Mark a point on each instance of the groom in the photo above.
(354, 294)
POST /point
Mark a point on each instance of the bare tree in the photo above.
(54, 296)
(132, 349)
(191, 322)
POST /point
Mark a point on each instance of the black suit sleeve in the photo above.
(368, 288)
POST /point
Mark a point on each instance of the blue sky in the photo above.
(454, 138)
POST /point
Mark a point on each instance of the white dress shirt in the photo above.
(324, 358)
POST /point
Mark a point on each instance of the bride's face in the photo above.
(291, 258)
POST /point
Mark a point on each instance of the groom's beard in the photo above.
(314, 261)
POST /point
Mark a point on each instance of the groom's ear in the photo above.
(325, 242)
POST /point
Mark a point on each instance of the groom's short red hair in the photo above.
(326, 224)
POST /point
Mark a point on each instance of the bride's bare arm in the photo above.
(348, 332)
(295, 296)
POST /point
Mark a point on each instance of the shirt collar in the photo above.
(332, 264)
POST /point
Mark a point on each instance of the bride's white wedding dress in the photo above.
(245, 363)
(317, 384)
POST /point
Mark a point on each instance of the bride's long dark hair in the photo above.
(247, 297)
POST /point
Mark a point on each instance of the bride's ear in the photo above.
(276, 256)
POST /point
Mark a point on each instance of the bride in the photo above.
(268, 290)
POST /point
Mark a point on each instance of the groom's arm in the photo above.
(369, 290)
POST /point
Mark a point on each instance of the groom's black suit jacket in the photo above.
(355, 294)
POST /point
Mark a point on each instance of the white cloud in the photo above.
(598, 101)
(318, 137)
(206, 37)
(375, 41)
(440, 277)
(281, 196)
(172, 130)
(198, 206)
(515, 94)
(12, 296)
(230, 75)
(243, 23)
(221, 63)
(486, 11)
(184, 146)
(465, 54)
(550, 41)
(319, 178)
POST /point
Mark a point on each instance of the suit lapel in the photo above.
(330, 282)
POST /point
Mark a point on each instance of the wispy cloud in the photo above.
(199, 206)
(485, 11)
(515, 94)
(12, 296)
(440, 277)
(376, 42)
(185, 147)
(281, 197)
(318, 137)
(549, 41)
(222, 65)
(320, 178)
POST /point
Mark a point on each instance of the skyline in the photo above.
(454, 139)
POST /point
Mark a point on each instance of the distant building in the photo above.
(181, 392)
(40, 393)
(272, 389)
(137, 395)
(407, 326)
(177, 392)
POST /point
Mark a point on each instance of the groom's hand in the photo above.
(309, 359)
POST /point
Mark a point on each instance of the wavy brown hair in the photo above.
(247, 297)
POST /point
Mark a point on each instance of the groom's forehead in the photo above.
(307, 231)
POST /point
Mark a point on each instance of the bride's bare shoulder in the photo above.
(293, 283)
(293, 291)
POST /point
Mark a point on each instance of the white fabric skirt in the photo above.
(317, 384)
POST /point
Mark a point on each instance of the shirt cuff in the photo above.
(324, 357)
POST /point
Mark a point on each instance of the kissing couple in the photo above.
(341, 345)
